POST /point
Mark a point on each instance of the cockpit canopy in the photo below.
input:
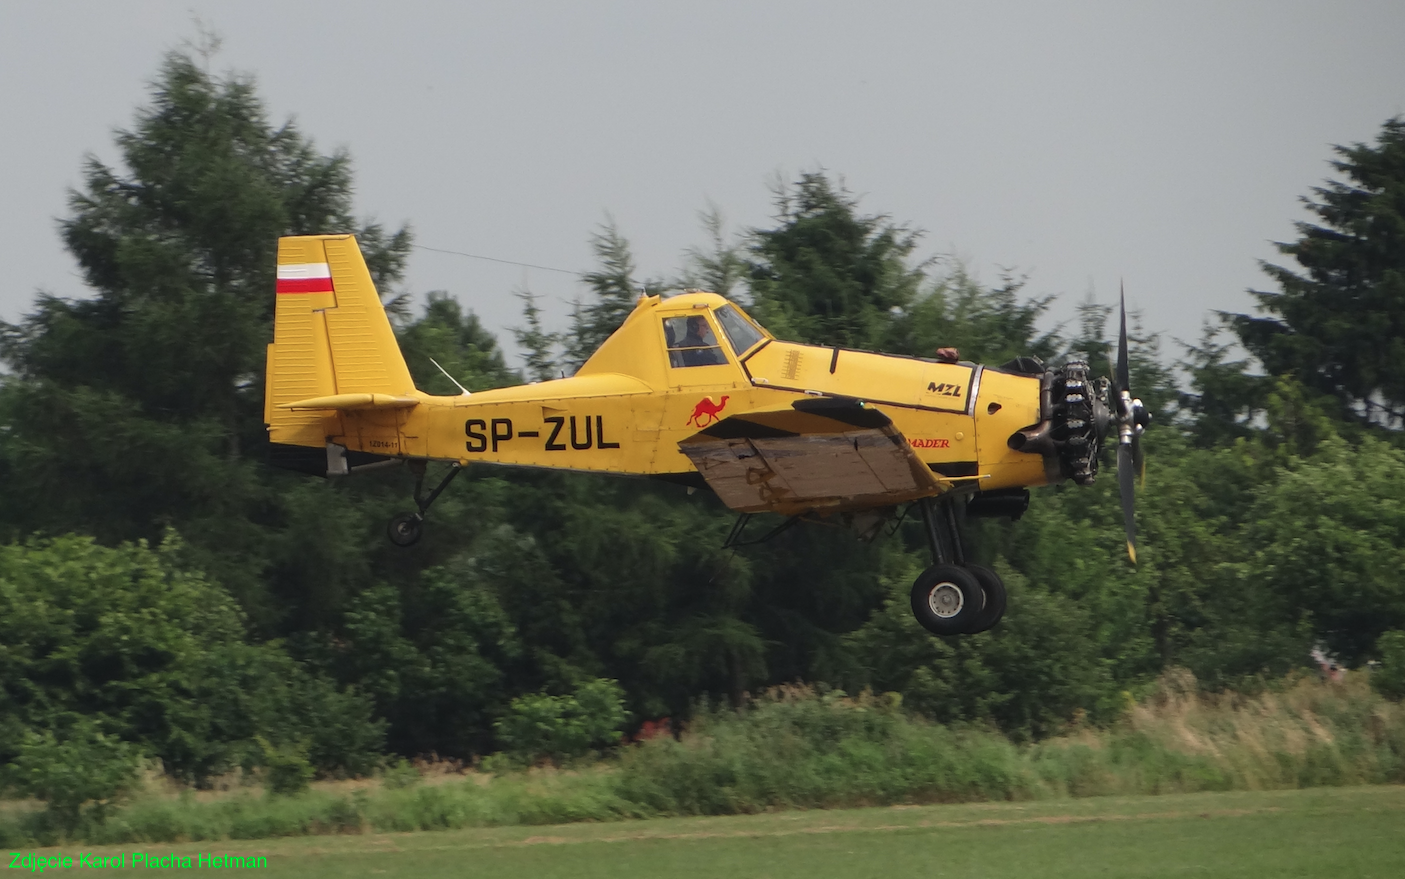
(691, 341)
(693, 329)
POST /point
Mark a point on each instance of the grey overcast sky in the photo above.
(1166, 144)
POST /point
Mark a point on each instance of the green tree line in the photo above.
(166, 594)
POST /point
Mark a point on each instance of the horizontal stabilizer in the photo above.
(822, 454)
(354, 401)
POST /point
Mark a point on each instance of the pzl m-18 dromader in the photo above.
(690, 390)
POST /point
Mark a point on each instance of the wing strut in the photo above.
(734, 538)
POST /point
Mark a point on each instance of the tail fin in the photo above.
(331, 337)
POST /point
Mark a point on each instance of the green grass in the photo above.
(1348, 832)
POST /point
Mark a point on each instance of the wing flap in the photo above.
(819, 457)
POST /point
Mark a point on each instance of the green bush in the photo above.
(402, 774)
(79, 767)
(156, 655)
(259, 696)
(1027, 677)
(559, 727)
(431, 657)
(286, 770)
(794, 748)
(1389, 679)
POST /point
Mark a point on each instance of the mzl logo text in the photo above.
(36, 862)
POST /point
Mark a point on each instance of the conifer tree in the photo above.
(615, 293)
(535, 341)
(1338, 324)
(1224, 397)
(457, 341)
(985, 324)
(139, 406)
(827, 274)
(720, 268)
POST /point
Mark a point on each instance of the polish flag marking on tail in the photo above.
(312, 277)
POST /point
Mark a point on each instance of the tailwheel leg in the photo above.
(952, 597)
(406, 529)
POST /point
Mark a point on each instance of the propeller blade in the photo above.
(1126, 477)
(1138, 461)
(1124, 378)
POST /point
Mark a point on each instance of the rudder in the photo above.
(331, 336)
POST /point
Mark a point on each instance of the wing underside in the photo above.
(822, 455)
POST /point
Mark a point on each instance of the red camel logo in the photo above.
(708, 410)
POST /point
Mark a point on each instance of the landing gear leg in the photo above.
(945, 597)
(951, 597)
(407, 528)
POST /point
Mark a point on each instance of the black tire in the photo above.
(946, 598)
(405, 529)
(994, 607)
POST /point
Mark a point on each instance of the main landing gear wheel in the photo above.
(947, 599)
(952, 597)
(405, 529)
(994, 606)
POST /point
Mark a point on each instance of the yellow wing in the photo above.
(821, 454)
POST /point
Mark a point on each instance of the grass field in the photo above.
(1349, 832)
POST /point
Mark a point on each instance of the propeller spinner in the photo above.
(1131, 418)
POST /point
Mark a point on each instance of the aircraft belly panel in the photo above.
(792, 474)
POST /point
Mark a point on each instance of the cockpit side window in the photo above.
(691, 342)
(739, 330)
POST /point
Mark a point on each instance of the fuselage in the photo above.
(664, 375)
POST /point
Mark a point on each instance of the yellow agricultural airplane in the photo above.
(689, 389)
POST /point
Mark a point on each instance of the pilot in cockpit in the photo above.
(697, 347)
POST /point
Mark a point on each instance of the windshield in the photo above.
(739, 330)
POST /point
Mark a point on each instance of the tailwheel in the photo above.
(993, 607)
(405, 529)
(947, 599)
